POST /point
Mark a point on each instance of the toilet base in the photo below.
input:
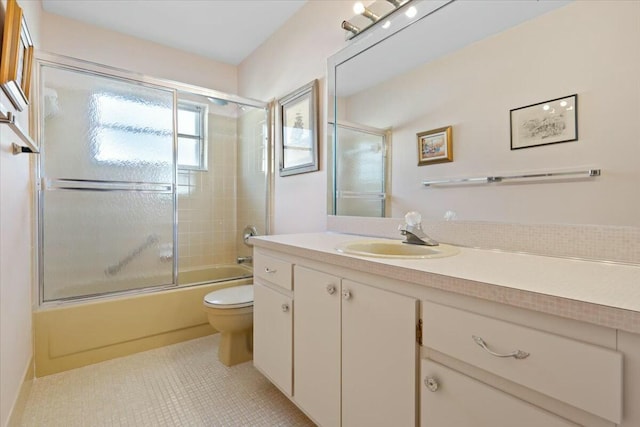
(236, 347)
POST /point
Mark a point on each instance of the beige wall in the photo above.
(296, 54)
(16, 348)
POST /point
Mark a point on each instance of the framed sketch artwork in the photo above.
(298, 126)
(435, 146)
(545, 123)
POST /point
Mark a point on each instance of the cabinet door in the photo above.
(453, 399)
(317, 345)
(272, 335)
(379, 357)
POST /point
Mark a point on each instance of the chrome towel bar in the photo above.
(498, 179)
(7, 117)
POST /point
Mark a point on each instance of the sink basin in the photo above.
(396, 249)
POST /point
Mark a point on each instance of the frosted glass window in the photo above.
(192, 136)
(127, 127)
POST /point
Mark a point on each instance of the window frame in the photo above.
(203, 112)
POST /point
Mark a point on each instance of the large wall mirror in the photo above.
(467, 64)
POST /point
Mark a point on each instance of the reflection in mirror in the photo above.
(467, 64)
(361, 167)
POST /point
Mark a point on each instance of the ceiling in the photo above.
(223, 30)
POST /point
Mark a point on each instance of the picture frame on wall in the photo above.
(17, 57)
(297, 117)
(545, 123)
(435, 146)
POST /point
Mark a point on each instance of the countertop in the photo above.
(601, 293)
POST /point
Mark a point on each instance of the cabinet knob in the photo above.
(346, 294)
(268, 270)
(331, 289)
(431, 383)
(285, 307)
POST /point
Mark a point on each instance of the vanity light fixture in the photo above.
(360, 9)
(378, 12)
(346, 25)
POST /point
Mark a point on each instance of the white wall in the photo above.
(16, 339)
(296, 54)
(555, 55)
(73, 38)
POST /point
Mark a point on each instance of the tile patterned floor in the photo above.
(178, 385)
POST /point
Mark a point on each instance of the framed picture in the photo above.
(17, 57)
(545, 123)
(435, 146)
(298, 124)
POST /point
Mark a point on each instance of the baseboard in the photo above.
(23, 395)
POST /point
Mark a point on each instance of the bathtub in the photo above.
(78, 334)
(214, 274)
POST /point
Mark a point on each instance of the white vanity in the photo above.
(364, 341)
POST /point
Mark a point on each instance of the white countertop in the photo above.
(598, 292)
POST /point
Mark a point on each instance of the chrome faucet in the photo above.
(244, 260)
(412, 230)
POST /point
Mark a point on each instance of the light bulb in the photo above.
(411, 12)
(358, 8)
(386, 24)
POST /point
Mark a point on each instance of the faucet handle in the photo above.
(413, 218)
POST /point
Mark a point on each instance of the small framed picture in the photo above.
(298, 123)
(545, 123)
(435, 146)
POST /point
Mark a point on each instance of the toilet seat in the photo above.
(233, 297)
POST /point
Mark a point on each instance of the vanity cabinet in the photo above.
(341, 343)
(349, 339)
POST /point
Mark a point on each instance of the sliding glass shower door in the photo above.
(106, 189)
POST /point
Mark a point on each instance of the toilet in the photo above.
(230, 311)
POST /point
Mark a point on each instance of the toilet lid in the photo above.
(233, 297)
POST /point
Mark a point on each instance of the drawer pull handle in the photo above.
(269, 271)
(431, 383)
(331, 289)
(518, 354)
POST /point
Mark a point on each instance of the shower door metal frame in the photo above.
(385, 134)
(64, 62)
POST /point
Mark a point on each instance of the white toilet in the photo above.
(230, 311)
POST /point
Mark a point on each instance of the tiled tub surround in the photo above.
(599, 293)
(589, 242)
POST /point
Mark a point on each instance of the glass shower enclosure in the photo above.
(123, 158)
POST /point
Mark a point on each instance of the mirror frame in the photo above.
(307, 92)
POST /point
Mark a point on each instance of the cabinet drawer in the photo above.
(273, 270)
(583, 375)
(459, 400)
